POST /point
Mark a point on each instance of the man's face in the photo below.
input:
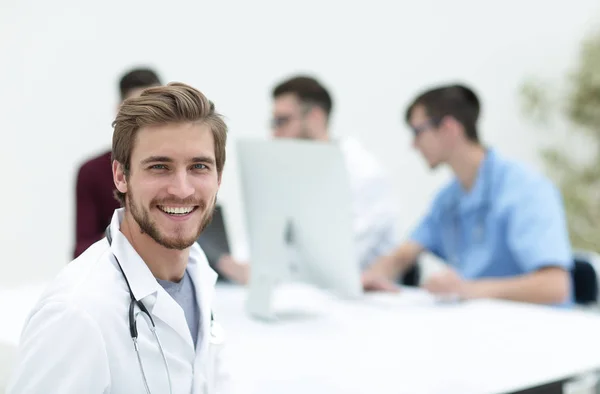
(290, 118)
(173, 182)
(428, 138)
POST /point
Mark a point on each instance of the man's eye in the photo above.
(199, 166)
(159, 167)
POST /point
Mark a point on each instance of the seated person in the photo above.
(301, 109)
(95, 200)
(498, 224)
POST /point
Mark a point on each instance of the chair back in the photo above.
(585, 276)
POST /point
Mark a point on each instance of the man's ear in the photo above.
(452, 125)
(119, 176)
(316, 115)
(316, 118)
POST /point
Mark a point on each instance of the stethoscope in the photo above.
(133, 325)
(454, 212)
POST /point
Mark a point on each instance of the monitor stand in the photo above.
(264, 283)
(259, 303)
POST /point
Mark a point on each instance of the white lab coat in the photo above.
(77, 339)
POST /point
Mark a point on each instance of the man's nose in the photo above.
(180, 185)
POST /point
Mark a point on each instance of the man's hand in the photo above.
(375, 282)
(232, 270)
(545, 286)
(446, 283)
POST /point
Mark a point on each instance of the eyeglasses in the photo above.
(280, 121)
(428, 124)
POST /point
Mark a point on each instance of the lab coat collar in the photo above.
(168, 310)
(138, 274)
(204, 279)
(145, 287)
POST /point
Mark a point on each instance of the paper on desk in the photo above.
(406, 297)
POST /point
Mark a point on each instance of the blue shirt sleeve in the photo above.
(537, 231)
(428, 231)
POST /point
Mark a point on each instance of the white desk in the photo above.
(406, 344)
(410, 345)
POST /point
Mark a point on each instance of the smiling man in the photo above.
(133, 313)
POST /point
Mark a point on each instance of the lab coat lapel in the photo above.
(168, 310)
(144, 286)
(204, 279)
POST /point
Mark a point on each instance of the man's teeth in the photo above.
(177, 210)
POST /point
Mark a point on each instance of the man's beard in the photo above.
(147, 226)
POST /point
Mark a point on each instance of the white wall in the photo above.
(60, 61)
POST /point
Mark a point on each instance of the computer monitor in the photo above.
(297, 191)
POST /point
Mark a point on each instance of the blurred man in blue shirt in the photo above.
(498, 224)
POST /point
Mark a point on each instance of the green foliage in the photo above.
(575, 170)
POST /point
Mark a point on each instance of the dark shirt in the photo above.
(95, 201)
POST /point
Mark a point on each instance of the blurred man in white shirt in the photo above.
(302, 109)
